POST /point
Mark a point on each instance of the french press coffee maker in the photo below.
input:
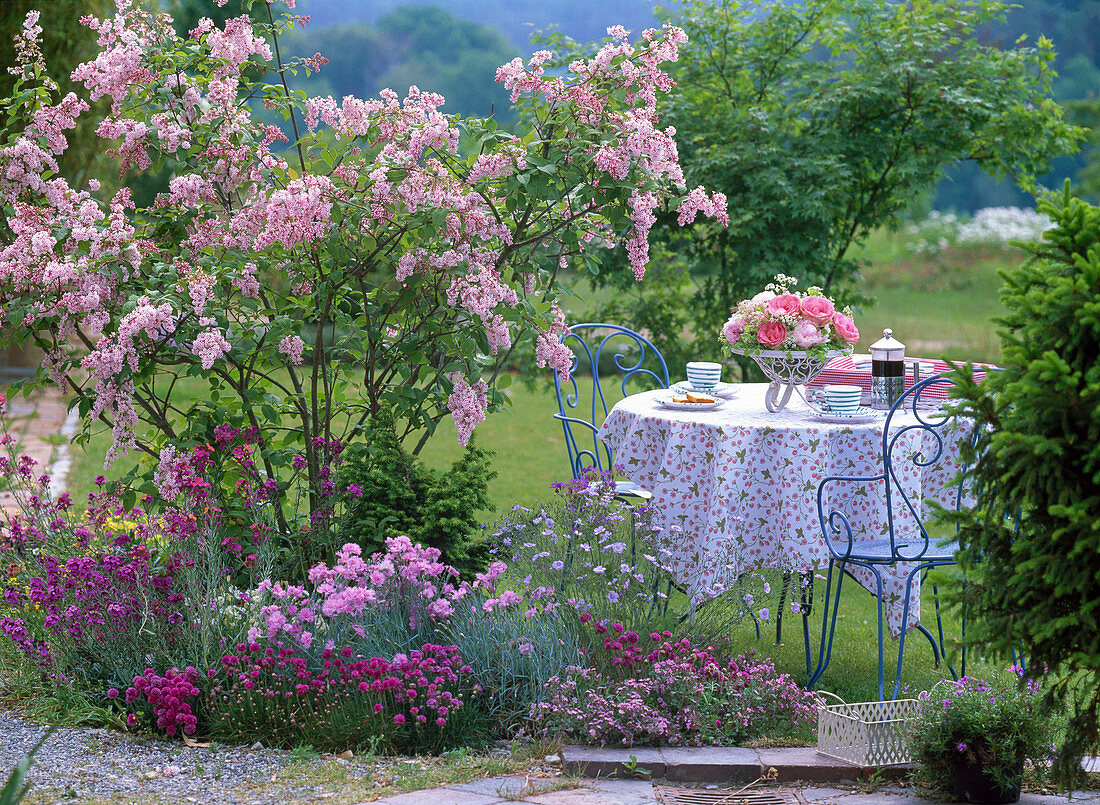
(887, 371)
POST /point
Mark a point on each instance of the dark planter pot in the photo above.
(974, 784)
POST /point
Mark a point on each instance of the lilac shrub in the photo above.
(368, 263)
(659, 690)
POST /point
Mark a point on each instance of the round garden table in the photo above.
(737, 487)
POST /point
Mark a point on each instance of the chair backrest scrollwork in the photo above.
(601, 351)
(920, 439)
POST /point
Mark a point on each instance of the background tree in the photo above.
(422, 46)
(65, 44)
(1032, 556)
(821, 122)
(1086, 113)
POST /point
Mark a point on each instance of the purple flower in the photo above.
(961, 747)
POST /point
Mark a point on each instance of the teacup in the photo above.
(704, 375)
(841, 399)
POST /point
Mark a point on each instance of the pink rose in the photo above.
(786, 304)
(817, 309)
(806, 335)
(772, 333)
(845, 328)
(734, 329)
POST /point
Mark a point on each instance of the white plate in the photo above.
(861, 414)
(679, 406)
(725, 390)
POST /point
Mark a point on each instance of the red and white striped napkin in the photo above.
(855, 370)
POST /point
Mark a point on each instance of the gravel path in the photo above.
(100, 765)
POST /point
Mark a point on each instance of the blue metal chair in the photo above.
(637, 366)
(937, 428)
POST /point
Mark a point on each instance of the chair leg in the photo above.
(936, 653)
(828, 630)
(939, 631)
(779, 610)
(881, 661)
(905, 620)
(806, 599)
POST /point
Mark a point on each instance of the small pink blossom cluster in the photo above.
(549, 349)
(168, 695)
(467, 405)
(670, 693)
(292, 346)
(404, 576)
(779, 319)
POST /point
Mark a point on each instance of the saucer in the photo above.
(725, 390)
(861, 414)
(667, 402)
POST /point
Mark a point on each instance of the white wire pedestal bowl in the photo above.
(787, 369)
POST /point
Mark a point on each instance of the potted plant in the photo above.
(974, 736)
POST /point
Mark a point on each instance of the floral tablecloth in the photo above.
(740, 485)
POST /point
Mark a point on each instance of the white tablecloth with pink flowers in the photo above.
(740, 485)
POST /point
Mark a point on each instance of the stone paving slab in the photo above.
(618, 792)
(505, 786)
(806, 763)
(603, 762)
(498, 790)
(443, 796)
(710, 764)
(721, 764)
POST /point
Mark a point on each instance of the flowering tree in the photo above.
(369, 264)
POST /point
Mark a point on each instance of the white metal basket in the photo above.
(787, 369)
(866, 733)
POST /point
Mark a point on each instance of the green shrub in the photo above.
(389, 493)
(1032, 556)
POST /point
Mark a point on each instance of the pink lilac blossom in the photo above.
(467, 405)
(209, 345)
(291, 346)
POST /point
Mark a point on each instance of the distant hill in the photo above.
(584, 20)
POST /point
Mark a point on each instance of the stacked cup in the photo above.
(842, 399)
(703, 375)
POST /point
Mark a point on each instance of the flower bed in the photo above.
(166, 624)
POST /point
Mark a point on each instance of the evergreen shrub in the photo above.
(1032, 543)
(390, 493)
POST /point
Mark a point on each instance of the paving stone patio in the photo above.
(801, 776)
